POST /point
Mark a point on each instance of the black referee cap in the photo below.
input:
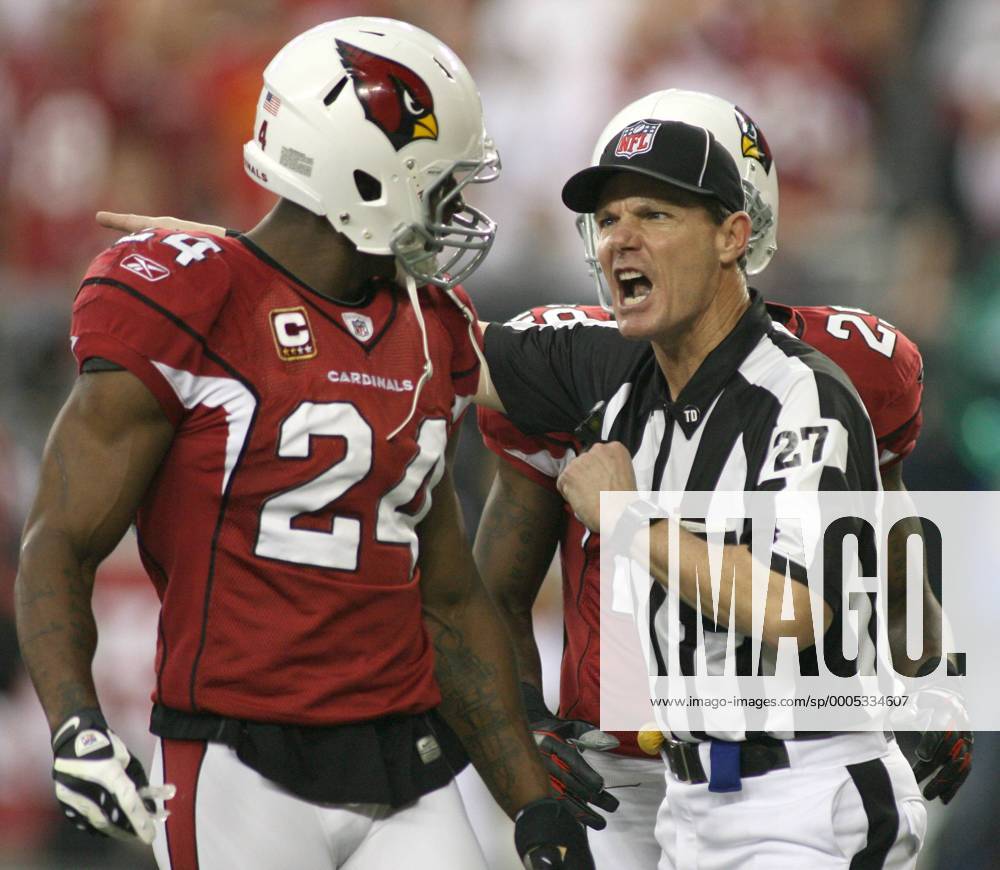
(680, 154)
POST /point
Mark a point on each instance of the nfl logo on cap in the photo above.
(636, 139)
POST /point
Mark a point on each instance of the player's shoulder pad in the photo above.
(562, 315)
(187, 275)
(453, 308)
(805, 371)
(454, 311)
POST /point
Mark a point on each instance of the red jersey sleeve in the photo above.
(539, 458)
(457, 316)
(149, 302)
(884, 365)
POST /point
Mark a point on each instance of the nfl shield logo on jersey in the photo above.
(293, 336)
(360, 325)
(636, 139)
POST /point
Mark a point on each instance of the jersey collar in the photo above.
(263, 256)
(718, 367)
(787, 316)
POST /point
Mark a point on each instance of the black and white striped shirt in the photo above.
(764, 411)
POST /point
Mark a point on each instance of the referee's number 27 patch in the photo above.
(798, 447)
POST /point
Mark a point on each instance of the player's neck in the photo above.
(307, 246)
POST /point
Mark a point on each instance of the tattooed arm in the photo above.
(515, 542)
(104, 448)
(892, 481)
(475, 665)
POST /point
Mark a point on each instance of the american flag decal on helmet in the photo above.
(272, 103)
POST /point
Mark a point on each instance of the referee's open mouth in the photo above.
(633, 286)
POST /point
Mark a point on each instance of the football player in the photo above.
(525, 517)
(274, 411)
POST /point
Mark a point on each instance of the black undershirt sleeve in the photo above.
(96, 364)
(547, 378)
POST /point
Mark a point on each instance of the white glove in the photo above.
(102, 787)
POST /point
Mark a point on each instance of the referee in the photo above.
(703, 392)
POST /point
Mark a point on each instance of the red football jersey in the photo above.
(885, 368)
(882, 363)
(280, 530)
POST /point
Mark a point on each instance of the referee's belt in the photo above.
(758, 756)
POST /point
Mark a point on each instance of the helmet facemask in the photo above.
(452, 230)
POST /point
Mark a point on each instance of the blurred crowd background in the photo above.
(884, 119)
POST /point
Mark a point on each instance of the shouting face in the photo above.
(661, 259)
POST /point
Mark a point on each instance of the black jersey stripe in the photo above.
(589, 553)
(181, 324)
(150, 563)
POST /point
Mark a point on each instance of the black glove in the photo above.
(547, 837)
(102, 787)
(560, 742)
(937, 742)
(941, 750)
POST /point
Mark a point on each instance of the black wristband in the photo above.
(88, 717)
(97, 364)
(639, 513)
(534, 703)
(541, 823)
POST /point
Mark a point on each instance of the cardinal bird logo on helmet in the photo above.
(394, 97)
(752, 141)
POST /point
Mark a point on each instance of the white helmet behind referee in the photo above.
(377, 125)
(738, 134)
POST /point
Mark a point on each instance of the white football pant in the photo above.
(847, 801)
(226, 815)
(629, 840)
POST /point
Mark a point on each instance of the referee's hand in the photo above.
(605, 466)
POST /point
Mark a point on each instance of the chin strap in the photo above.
(470, 327)
(428, 372)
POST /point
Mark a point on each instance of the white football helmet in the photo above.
(740, 136)
(378, 126)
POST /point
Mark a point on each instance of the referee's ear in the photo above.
(732, 238)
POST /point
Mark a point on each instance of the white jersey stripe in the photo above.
(237, 401)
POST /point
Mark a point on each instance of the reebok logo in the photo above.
(145, 268)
